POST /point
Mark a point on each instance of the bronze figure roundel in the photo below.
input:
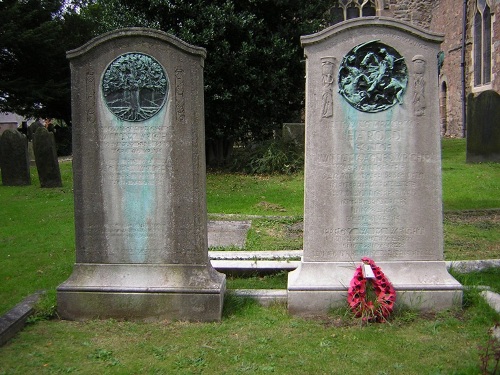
(135, 87)
(373, 77)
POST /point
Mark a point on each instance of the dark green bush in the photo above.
(268, 157)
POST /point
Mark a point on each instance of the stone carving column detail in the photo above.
(419, 86)
(327, 70)
(179, 94)
(90, 100)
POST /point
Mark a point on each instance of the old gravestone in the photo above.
(293, 132)
(483, 127)
(14, 160)
(139, 181)
(372, 173)
(47, 164)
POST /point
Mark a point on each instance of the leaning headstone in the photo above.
(32, 128)
(14, 160)
(47, 164)
(483, 127)
(373, 166)
(139, 182)
(7, 126)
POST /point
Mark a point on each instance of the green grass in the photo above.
(37, 252)
(256, 281)
(37, 245)
(489, 277)
(255, 340)
(468, 186)
(281, 195)
(275, 234)
(37, 225)
(472, 235)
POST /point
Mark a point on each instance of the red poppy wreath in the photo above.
(381, 307)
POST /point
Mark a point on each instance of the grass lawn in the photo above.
(37, 252)
(256, 340)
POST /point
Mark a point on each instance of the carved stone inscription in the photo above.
(135, 174)
(131, 145)
(372, 182)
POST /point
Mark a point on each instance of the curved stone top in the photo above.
(371, 21)
(137, 32)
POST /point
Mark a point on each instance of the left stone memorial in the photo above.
(139, 182)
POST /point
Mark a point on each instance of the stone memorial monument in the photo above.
(139, 182)
(373, 166)
(47, 164)
(14, 159)
(483, 127)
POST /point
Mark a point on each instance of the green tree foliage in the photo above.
(34, 71)
(254, 72)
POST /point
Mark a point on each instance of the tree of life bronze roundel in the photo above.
(373, 77)
(135, 87)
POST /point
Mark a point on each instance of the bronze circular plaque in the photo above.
(135, 87)
(373, 77)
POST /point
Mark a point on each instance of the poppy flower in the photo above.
(371, 311)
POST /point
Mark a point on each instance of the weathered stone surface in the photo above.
(47, 164)
(34, 126)
(13, 321)
(483, 127)
(7, 125)
(14, 160)
(223, 233)
(139, 181)
(372, 174)
(493, 300)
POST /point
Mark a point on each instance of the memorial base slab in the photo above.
(317, 287)
(142, 292)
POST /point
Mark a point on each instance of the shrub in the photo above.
(268, 157)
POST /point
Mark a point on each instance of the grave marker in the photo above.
(47, 164)
(14, 160)
(139, 181)
(373, 166)
(483, 127)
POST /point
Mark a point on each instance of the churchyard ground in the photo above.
(37, 252)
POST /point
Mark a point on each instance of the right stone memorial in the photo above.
(373, 166)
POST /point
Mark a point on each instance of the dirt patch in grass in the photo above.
(472, 234)
(268, 206)
(295, 230)
(481, 218)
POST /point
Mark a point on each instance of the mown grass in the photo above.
(37, 225)
(37, 252)
(256, 340)
(278, 195)
(468, 186)
(37, 246)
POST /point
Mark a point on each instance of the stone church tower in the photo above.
(469, 60)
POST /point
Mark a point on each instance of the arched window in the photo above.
(357, 8)
(482, 43)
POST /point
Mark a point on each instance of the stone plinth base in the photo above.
(317, 287)
(143, 292)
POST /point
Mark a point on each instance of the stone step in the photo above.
(288, 260)
(264, 297)
(261, 266)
